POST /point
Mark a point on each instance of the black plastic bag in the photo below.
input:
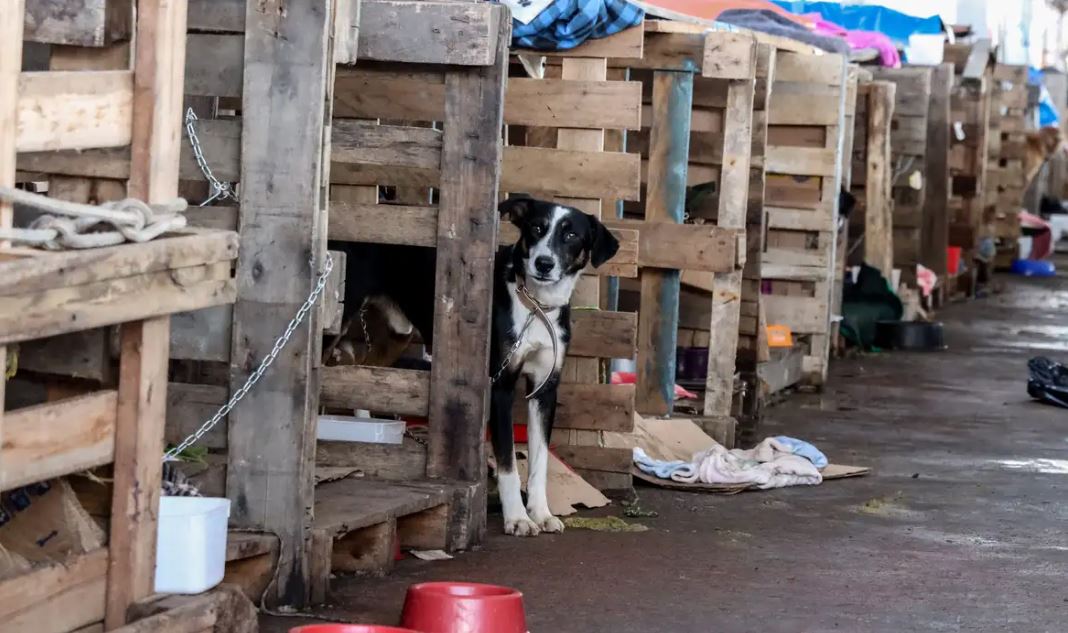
(1048, 381)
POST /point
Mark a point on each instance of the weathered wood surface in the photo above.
(77, 22)
(460, 33)
(935, 237)
(60, 110)
(467, 242)
(288, 75)
(669, 150)
(56, 598)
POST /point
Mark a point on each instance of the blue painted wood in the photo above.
(669, 151)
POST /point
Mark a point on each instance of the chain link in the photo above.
(219, 190)
(279, 344)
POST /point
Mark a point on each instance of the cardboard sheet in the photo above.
(566, 489)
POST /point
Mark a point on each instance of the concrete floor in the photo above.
(960, 528)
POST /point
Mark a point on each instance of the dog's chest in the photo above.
(534, 353)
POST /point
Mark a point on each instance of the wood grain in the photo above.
(60, 110)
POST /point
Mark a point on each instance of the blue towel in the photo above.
(565, 24)
(656, 467)
(806, 450)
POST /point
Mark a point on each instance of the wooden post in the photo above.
(287, 83)
(12, 13)
(727, 288)
(658, 316)
(466, 246)
(139, 427)
(935, 236)
(879, 203)
(159, 67)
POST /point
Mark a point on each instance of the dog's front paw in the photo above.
(550, 524)
(521, 526)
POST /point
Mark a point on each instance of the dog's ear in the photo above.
(603, 245)
(516, 208)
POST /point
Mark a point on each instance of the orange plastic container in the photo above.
(780, 336)
(953, 259)
(463, 607)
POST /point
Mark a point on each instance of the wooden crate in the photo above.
(970, 121)
(908, 142)
(871, 225)
(132, 111)
(1007, 149)
(804, 166)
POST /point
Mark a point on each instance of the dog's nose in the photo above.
(543, 264)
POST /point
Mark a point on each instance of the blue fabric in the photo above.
(894, 24)
(565, 24)
(804, 449)
(1047, 112)
(656, 467)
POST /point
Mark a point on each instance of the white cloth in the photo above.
(771, 464)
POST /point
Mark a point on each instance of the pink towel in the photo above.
(860, 40)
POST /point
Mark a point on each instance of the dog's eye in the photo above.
(538, 230)
(570, 235)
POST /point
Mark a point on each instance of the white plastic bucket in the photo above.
(926, 49)
(342, 428)
(191, 551)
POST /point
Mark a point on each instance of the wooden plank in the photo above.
(56, 598)
(802, 315)
(74, 110)
(289, 77)
(978, 60)
(383, 223)
(935, 235)
(733, 205)
(669, 150)
(613, 460)
(574, 174)
(466, 246)
(390, 91)
(223, 16)
(220, 73)
(11, 30)
(803, 108)
(729, 56)
(590, 407)
(386, 154)
(380, 389)
(603, 334)
(573, 104)
(815, 69)
(696, 247)
(428, 32)
(50, 440)
(347, 31)
(113, 163)
(801, 161)
(878, 207)
(139, 424)
(77, 22)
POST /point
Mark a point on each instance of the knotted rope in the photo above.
(71, 225)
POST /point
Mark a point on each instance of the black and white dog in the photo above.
(533, 282)
(531, 328)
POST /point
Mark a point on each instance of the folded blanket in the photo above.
(772, 464)
(564, 24)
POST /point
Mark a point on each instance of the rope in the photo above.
(71, 225)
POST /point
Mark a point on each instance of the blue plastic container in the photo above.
(1033, 268)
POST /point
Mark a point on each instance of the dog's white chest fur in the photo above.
(534, 357)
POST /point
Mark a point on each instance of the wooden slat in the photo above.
(224, 16)
(573, 104)
(729, 56)
(380, 389)
(74, 110)
(56, 598)
(935, 234)
(139, 422)
(613, 460)
(217, 70)
(383, 223)
(388, 91)
(386, 154)
(627, 44)
(76, 268)
(603, 334)
(803, 109)
(802, 315)
(589, 407)
(557, 172)
(54, 439)
(466, 246)
(428, 32)
(114, 301)
(288, 62)
(817, 69)
(683, 246)
(801, 161)
(77, 22)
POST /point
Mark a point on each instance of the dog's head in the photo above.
(556, 241)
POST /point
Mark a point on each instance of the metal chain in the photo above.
(219, 190)
(279, 344)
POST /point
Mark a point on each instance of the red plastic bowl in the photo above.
(349, 628)
(463, 607)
